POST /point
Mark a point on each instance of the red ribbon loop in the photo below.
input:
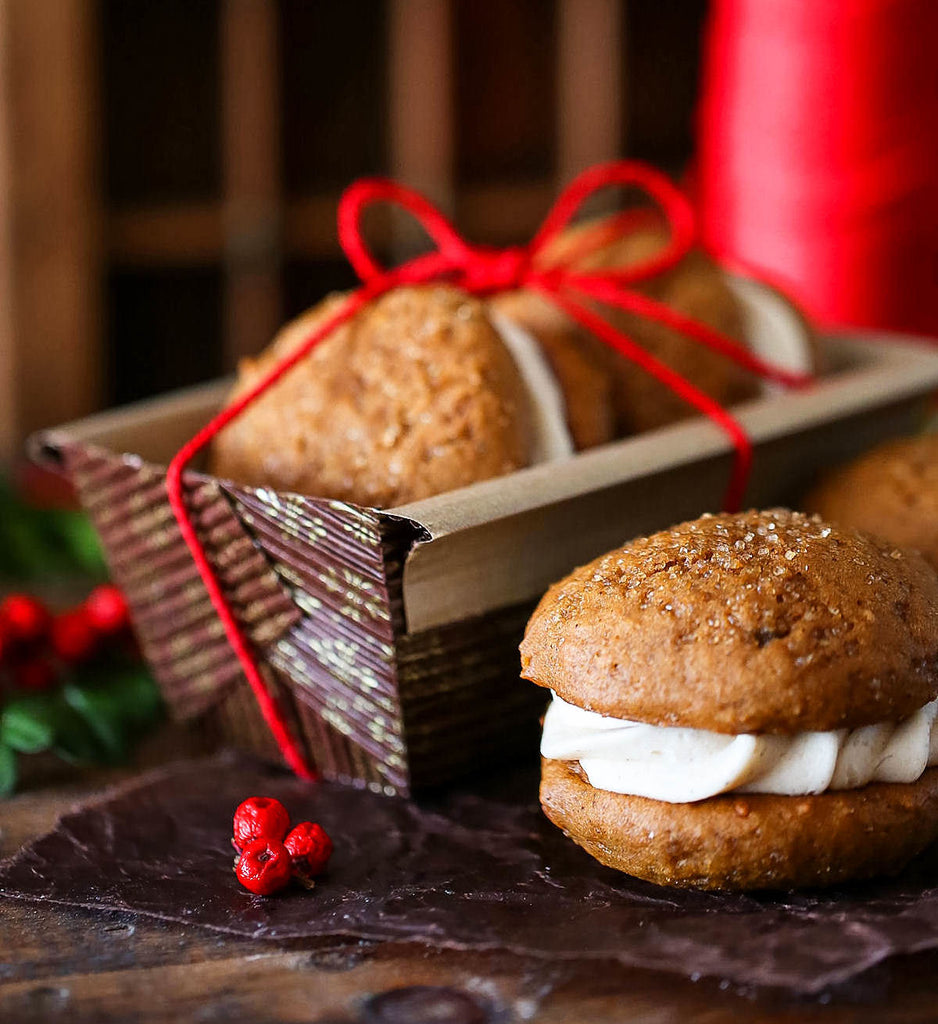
(371, 191)
(482, 271)
(675, 208)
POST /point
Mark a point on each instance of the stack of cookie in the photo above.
(631, 401)
(429, 389)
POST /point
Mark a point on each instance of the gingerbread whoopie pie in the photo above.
(742, 702)
(418, 394)
(891, 491)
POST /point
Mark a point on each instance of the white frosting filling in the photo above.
(548, 410)
(685, 765)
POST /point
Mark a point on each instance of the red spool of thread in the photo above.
(818, 153)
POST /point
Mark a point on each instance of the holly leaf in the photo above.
(75, 740)
(131, 692)
(28, 724)
(30, 555)
(139, 697)
(102, 711)
(42, 721)
(76, 540)
(42, 542)
(119, 704)
(7, 770)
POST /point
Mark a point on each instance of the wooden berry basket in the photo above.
(391, 637)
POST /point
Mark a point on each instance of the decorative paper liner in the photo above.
(318, 587)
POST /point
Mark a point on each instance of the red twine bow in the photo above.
(483, 271)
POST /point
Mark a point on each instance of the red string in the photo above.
(481, 271)
(700, 400)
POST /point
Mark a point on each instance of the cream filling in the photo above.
(552, 438)
(686, 765)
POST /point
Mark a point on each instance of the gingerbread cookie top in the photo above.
(892, 492)
(757, 622)
(416, 395)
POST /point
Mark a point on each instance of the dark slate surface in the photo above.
(466, 872)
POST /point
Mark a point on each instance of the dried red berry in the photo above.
(264, 867)
(34, 674)
(310, 848)
(26, 619)
(72, 636)
(107, 611)
(260, 817)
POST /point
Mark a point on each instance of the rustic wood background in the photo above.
(169, 169)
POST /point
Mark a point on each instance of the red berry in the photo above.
(106, 608)
(26, 618)
(264, 867)
(260, 817)
(73, 638)
(35, 674)
(309, 847)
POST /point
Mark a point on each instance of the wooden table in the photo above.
(72, 965)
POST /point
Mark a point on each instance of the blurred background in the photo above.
(169, 169)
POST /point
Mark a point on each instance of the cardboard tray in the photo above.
(391, 636)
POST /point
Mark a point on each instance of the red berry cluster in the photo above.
(36, 645)
(270, 853)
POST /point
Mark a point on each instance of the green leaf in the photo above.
(76, 741)
(7, 770)
(38, 542)
(118, 704)
(28, 725)
(31, 555)
(102, 710)
(131, 691)
(69, 735)
(140, 697)
(76, 539)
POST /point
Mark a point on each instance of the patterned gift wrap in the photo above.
(318, 587)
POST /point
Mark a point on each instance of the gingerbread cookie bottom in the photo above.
(746, 841)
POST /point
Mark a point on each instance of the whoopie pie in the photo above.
(742, 702)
